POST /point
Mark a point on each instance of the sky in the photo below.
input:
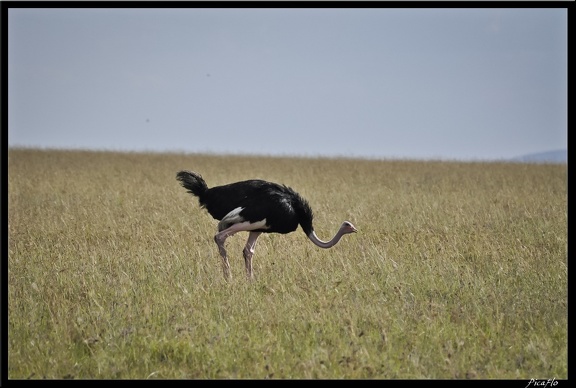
(413, 83)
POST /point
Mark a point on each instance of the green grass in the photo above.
(459, 270)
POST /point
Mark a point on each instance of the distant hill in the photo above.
(556, 156)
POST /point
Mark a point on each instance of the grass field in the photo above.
(459, 271)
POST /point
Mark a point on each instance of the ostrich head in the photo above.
(347, 227)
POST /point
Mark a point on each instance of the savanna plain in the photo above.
(458, 271)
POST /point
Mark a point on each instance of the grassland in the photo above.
(459, 271)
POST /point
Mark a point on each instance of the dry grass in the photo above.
(459, 271)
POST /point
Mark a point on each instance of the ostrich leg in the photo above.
(248, 252)
(223, 234)
(220, 238)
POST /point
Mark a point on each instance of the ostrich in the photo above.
(257, 207)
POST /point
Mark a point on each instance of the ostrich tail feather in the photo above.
(193, 182)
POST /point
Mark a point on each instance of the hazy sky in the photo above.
(409, 83)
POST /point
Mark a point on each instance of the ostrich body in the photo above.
(257, 207)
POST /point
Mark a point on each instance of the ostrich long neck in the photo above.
(326, 244)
